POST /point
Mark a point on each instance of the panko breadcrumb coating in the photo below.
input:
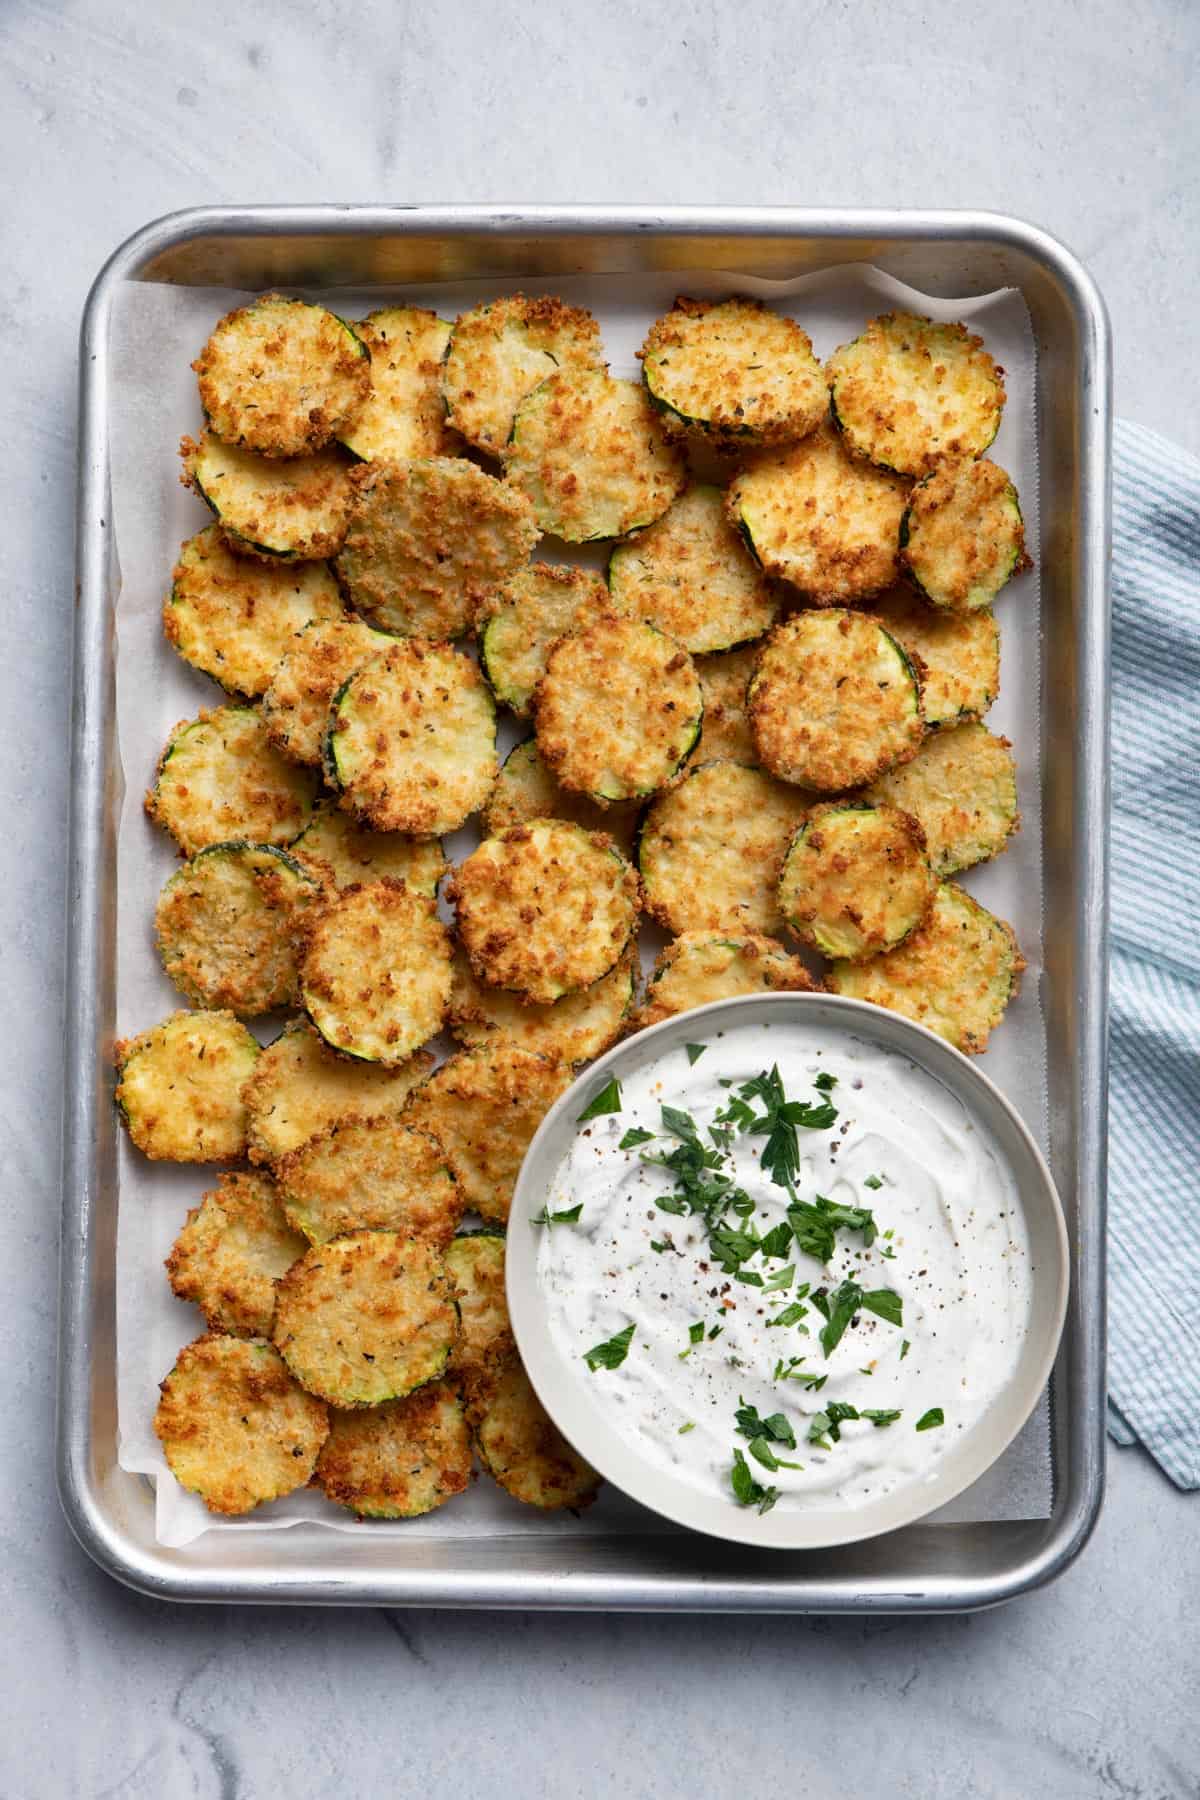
(220, 779)
(375, 972)
(297, 508)
(179, 1087)
(343, 854)
(576, 1028)
(403, 414)
(370, 1175)
(909, 393)
(300, 1087)
(524, 616)
(691, 575)
(525, 790)
(699, 967)
(958, 655)
(476, 1263)
(234, 1427)
(521, 1448)
(734, 371)
(962, 786)
(282, 376)
(400, 1459)
(228, 924)
(725, 732)
(232, 1250)
(856, 880)
(501, 350)
(962, 536)
(297, 702)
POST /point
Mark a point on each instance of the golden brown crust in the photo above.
(522, 618)
(180, 1087)
(297, 507)
(228, 923)
(300, 1087)
(476, 1264)
(427, 540)
(962, 786)
(734, 371)
(699, 967)
(282, 376)
(501, 350)
(576, 1028)
(963, 536)
(691, 575)
(342, 854)
(856, 880)
(234, 1427)
(232, 1250)
(375, 972)
(958, 655)
(525, 790)
(909, 393)
(520, 1446)
(617, 710)
(834, 701)
(404, 414)
(725, 733)
(400, 1459)
(297, 703)
(544, 909)
(219, 779)
(370, 1175)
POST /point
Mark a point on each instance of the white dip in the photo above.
(951, 1251)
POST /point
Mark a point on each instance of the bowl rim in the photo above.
(588, 1429)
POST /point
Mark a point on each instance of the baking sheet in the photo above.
(156, 332)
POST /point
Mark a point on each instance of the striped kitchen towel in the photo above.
(1154, 1130)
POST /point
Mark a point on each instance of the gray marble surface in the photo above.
(1081, 116)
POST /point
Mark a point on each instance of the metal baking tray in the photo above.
(923, 1568)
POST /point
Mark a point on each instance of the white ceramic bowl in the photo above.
(583, 1422)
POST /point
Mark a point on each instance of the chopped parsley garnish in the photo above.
(825, 1083)
(658, 1247)
(762, 1452)
(927, 1421)
(791, 1315)
(905, 1347)
(873, 1181)
(608, 1100)
(690, 1426)
(777, 1428)
(750, 1278)
(633, 1137)
(791, 1371)
(716, 1332)
(814, 1225)
(840, 1307)
(612, 1353)
(825, 1428)
(879, 1416)
(568, 1216)
(779, 1122)
(782, 1278)
(695, 1336)
(695, 1052)
(886, 1304)
(747, 1491)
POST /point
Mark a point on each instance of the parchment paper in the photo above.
(157, 330)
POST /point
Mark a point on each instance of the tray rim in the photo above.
(157, 1573)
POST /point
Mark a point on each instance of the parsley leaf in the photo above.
(825, 1428)
(825, 1083)
(777, 1428)
(778, 1121)
(690, 1426)
(791, 1315)
(777, 1242)
(747, 1491)
(879, 1416)
(927, 1421)
(782, 1278)
(839, 1308)
(905, 1347)
(815, 1224)
(608, 1100)
(762, 1452)
(695, 1052)
(634, 1136)
(568, 1216)
(659, 1248)
(679, 1124)
(886, 1304)
(695, 1336)
(612, 1353)
(873, 1181)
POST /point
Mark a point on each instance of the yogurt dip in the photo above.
(791, 1268)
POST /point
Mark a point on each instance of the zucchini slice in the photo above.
(476, 1263)
(234, 1427)
(297, 703)
(525, 616)
(576, 1028)
(725, 733)
(500, 351)
(300, 1087)
(617, 710)
(962, 786)
(956, 974)
(591, 453)
(179, 1087)
(375, 974)
(711, 850)
(856, 880)
(370, 1175)
(228, 923)
(232, 617)
(525, 790)
(398, 1460)
(815, 517)
(483, 1107)
(962, 535)
(412, 740)
(909, 393)
(958, 655)
(701, 966)
(427, 541)
(297, 509)
(220, 778)
(366, 1318)
(690, 574)
(341, 854)
(523, 1450)
(834, 701)
(544, 909)
(735, 372)
(282, 376)
(232, 1250)
(404, 415)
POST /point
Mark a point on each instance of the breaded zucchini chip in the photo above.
(544, 909)
(909, 393)
(404, 415)
(282, 376)
(524, 616)
(401, 1459)
(300, 1087)
(483, 1107)
(955, 975)
(962, 535)
(500, 351)
(341, 854)
(575, 1028)
(179, 1087)
(298, 508)
(297, 703)
(220, 778)
(701, 966)
(234, 1427)
(690, 574)
(233, 617)
(711, 850)
(476, 1263)
(958, 655)
(963, 788)
(617, 710)
(411, 742)
(834, 701)
(815, 517)
(525, 790)
(228, 924)
(427, 540)
(370, 1175)
(522, 1449)
(725, 733)
(856, 880)
(366, 1318)
(233, 1249)
(735, 372)
(592, 455)
(375, 972)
